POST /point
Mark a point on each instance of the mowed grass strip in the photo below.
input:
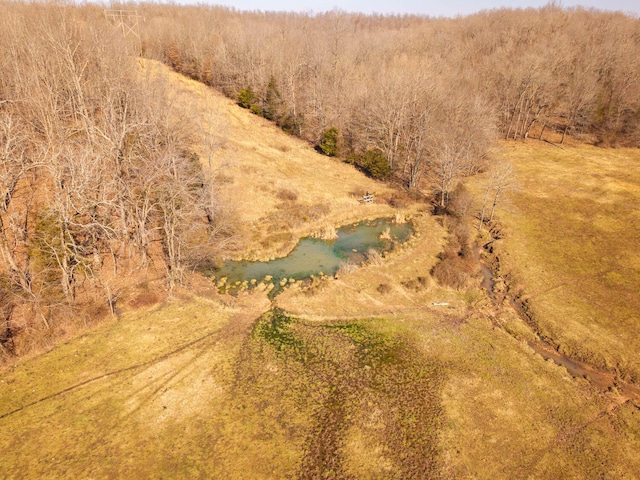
(573, 245)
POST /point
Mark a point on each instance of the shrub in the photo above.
(247, 98)
(329, 143)
(453, 270)
(460, 201)
(256, 110)
(457, 265)
(416, 284)
(400, 199)
(291, 123)
(287, 195)
(372, 162)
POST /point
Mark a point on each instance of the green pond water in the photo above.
(313, 257)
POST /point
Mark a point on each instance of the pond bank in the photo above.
(353, 245)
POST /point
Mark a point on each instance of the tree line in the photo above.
(429, 95)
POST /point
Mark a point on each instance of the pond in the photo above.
(321, 257)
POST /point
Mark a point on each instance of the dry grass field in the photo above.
(368, 375)
(572, 246)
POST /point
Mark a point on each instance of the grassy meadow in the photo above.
(380, 373)
(571, 244)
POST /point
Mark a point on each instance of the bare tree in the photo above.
(14, 168)
(500, 181)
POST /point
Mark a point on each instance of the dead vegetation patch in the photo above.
(416, 284)
(457, 265)
(287, 195)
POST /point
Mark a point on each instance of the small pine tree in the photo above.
(247, 97)
(329, 143)
(372, 162)
(272, 102)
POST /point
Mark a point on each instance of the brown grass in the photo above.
(571, 247)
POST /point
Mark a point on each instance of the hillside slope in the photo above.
(381, 373)
(276, 187)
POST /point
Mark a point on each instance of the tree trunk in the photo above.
(544, 125)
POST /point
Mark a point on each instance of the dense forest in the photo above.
(97, 177)
(384, 80)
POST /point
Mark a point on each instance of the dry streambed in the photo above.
(504, 298)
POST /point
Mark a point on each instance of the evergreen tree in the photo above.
(247, 98)
(329, 143)
(372, 162)
(272, 101)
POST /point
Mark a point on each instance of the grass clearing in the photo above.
(572, 247)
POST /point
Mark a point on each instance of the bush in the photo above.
(453, 270)
(400, 199)
(329, 143)
(460, 201)
(416, 284)
(292, 124)
(457, 265)
(372, 162)
(247, 98)
(287, 195)
(256, 110)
